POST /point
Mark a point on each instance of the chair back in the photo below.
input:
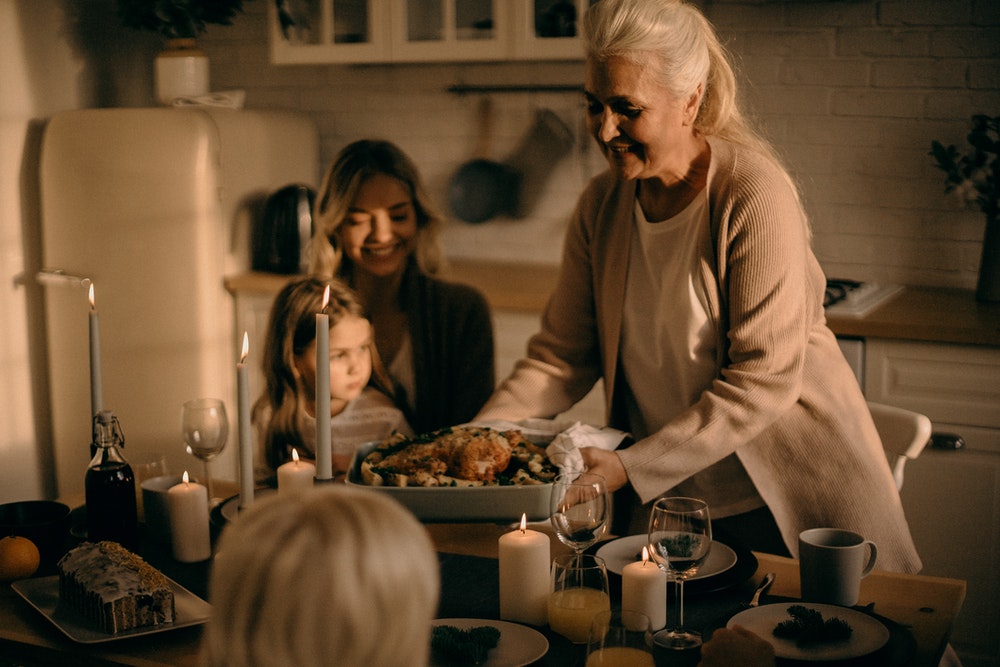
(904, 435)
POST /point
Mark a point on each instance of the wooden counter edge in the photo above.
(929, 314)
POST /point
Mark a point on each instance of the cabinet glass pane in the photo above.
(300, 21)
(474, 19)
(350, 21)
(424, 20)
(557, 18)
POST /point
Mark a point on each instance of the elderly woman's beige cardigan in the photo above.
(785, 400)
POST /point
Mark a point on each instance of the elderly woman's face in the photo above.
(643, 130)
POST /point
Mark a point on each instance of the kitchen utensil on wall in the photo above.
(483, 188)
(543, 146)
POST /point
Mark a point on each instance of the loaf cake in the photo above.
(114, 588)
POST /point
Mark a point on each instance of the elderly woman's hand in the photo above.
(736, 646)
(607, 465)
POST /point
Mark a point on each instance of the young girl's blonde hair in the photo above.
(290, 331)
(331, 576)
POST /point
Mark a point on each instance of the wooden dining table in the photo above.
(921, 609)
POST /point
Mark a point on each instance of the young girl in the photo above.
(360, 407)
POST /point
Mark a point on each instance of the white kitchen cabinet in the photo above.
(952, 497)
(406, 31)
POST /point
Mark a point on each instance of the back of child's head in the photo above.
(333, 575)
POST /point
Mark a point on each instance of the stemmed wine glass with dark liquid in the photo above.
(680, 538)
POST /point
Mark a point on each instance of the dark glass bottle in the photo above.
(110, 487)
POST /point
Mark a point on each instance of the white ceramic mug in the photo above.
(832, 563)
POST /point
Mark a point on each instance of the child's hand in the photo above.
(737, 646)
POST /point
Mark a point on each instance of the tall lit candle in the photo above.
(644, 589)
(187, 505)
(324, 454)
(246, 441)
(96, 394)
(295, 475)
(524, 575)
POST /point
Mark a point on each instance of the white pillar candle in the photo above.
(96, 393)
(524, 575)
(644, 589)
(295, 475)
(246, 441)
(187, 504)
(324, 454)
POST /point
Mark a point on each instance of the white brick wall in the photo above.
(851, 91)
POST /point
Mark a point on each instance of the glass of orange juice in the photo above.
(620, 638)
(579, 593)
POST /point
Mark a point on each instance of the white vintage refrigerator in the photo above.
(154, 206)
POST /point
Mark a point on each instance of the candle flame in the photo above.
(185, 477)
(90, 295)
(295, 455)
(524, 522)
(246, 347)
(645, 556)
(326, 298)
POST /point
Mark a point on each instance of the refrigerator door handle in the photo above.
(57, 277)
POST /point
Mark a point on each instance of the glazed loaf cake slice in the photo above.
(114, 588)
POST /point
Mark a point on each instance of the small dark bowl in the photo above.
(44, 522)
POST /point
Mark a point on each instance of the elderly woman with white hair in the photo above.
(332, 576)
(688, 284)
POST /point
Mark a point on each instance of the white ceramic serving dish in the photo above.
(462, 504)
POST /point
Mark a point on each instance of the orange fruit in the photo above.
(19, 558)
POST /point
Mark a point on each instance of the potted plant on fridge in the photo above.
(975, 177)
(181, 68)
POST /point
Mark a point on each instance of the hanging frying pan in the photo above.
(483, 188)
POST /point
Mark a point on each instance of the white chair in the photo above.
(904, 435)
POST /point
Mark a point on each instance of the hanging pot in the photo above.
(181, 70)
(988, 287)
(542, 147)
(483, 188)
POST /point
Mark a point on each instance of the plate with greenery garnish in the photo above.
(476, 641)
(814, 632)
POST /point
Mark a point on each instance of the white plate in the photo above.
(43, 594)
(868, 636)
(619, 553)
(519, 645)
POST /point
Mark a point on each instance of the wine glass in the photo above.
(680, 537)
(205, 427)
(580, 507)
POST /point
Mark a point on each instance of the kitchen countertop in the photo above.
(929, 314)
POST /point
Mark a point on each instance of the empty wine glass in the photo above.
(580, 507)
(205, 428)
(680, 537)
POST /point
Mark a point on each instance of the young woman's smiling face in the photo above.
(643, 130)
(380, 230)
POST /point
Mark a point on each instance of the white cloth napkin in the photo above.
(563, 437)
(564, 450)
